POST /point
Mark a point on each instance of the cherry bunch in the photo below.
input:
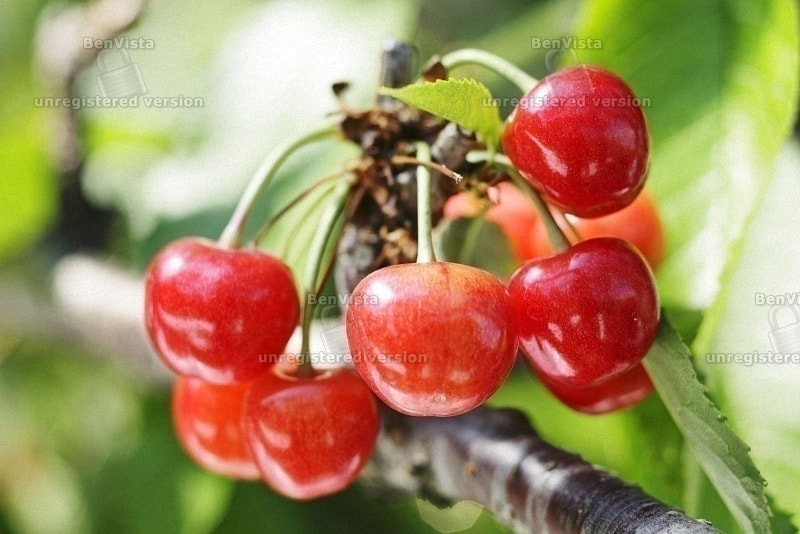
(428, 338)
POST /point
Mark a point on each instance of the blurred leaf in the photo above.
(157, 488)
(63, 416)
(477, 242)
(757, 395)
(256, 509)
(718, 109)
(29, 193)
(724, 457)
(466, 102)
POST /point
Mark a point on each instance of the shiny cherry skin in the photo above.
(219, 314)
(638, 223)
(618, 392)
(310, 435)
(208, 424)
(511, 210)
(431, 339)
(580, 138)
(586, 314)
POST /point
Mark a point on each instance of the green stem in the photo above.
(425, 253)
(473, 56)
(264, 230)
(558, 240)
(233, 233)
(326, 225)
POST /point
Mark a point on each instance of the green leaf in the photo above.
(724, 457)
(719, 108)
(466, 102)
(760, 396)
(29, 193)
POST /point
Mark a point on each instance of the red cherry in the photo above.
(219, 314)
(579, 136)
(620, 391)
(431, 339)
(208, 423)
(638, 223)
(514, 213)
(310, 436)
(586, 314)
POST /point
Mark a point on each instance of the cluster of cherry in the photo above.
(584, 315)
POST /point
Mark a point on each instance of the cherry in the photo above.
(586, 314)
(615, 393)
(432, 339)
(216, 313)
(511, 211)
(310, 435)
(638, 223)
(580, 138)
(208, 423)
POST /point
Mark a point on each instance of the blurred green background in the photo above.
(86, 443)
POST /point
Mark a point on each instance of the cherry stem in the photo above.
(326, 225)
(425, 252)
(233, 234)
(558, 240)
(403, 160)
(473, 56)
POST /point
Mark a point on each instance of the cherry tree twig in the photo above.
(494, 457)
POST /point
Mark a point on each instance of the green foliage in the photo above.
(29, 199)
(466, 102)
(723, 456)
(478, 242)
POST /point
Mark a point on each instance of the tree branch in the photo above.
(494, 457)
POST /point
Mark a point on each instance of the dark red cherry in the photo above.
(580, 138)
(616, 393)
(586, 314)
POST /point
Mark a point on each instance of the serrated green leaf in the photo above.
(466, 102)
(724, 457)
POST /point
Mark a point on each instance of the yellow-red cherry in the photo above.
(431, 339)
(208, 423)
(638, 223)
